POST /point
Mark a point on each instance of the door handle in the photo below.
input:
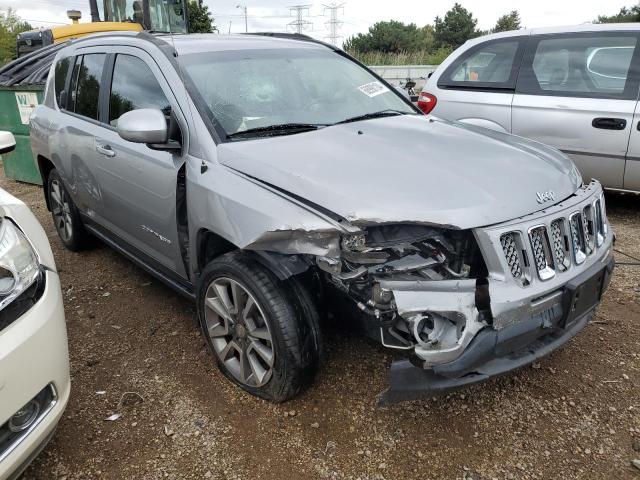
(105, 150)
(609, 123)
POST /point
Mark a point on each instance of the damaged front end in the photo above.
(418, 285)
(465, 305)
(420, 289)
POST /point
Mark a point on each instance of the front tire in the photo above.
(65, 214)
(262, 332)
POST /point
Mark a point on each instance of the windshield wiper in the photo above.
(380, 114)
(280, 129)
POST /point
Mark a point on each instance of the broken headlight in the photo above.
(409, 252)
(19, 267)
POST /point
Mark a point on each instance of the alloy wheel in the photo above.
(61, 210)
(239, 332)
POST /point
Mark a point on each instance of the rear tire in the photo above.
(65, 214)
(262, 332)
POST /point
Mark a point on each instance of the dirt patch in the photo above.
(575, 414)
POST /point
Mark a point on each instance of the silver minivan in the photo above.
(575, 88)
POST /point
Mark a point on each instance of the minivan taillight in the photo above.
(426, 102)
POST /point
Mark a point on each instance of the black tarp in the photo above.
(30, 69)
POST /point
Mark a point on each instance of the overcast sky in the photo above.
(356, 15)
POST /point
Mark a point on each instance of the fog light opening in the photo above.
(25, 417)
(422, 327)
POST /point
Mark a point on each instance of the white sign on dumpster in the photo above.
(27, 102)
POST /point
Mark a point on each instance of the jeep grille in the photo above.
(557, 245)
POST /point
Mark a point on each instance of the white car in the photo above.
(34, 359)
(574, 88)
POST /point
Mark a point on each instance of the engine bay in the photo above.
(405, 255)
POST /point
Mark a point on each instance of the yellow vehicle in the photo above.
(168, 16)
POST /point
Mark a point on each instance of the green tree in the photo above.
(391, 37)
(428, 38)
(510, 21)
(10, 26)
(631, 14)
(200, 19)
(457, 26)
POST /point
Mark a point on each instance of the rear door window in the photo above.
(491, 65)
(87, 85)
(134, 86)
(73, 86)
(60, 75)
(581, 65)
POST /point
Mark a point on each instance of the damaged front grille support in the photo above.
(413, 256)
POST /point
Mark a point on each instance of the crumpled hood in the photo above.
(409, 169)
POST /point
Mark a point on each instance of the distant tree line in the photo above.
(625, 15)
(394, 42)
(438, 40)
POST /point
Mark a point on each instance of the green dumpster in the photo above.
(16, 104)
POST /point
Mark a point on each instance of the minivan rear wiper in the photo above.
(279, 129)
(380, 114)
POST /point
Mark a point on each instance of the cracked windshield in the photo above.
(244, 90)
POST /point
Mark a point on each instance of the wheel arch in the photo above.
(45, 166)
(210, 245)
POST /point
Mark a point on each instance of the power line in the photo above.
(45, 21)
(299, 24)
(231, 15)
(334, 24)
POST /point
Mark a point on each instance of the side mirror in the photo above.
(146, 125)
(7, 142)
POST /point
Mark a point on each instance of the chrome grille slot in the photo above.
(599, 223)
(542, 254)
(560, 244)
(577, 238)
(603, 210)
(512, 254)
(589, 228)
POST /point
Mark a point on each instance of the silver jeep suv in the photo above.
(272, 177)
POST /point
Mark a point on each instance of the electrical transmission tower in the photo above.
(299, 24)
(334, 24)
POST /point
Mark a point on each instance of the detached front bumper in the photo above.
(495, 352)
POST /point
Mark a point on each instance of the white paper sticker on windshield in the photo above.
(373, 89)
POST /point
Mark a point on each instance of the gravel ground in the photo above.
(576, 414)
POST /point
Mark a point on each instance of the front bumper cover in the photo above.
(33, 355)
(496, 352)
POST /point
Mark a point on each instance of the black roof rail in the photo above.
(293, 36)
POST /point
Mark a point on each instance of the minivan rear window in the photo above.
(579, 65)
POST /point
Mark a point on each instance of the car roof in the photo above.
(585, 27)
(209, 42)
